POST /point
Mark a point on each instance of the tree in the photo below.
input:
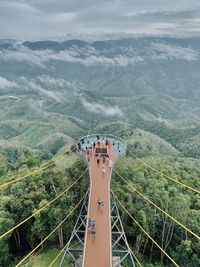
(6, 222)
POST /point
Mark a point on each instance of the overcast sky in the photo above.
(43, 19)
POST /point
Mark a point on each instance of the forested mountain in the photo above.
(150, 83)
(145, 90)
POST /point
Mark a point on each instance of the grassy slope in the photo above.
(23, 124)
(142, 142)
(44, 259)
(147, 143)
(34, 135)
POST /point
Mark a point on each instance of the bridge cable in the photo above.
(65, 247)
(165, 175)
(156, 206)
(163, 251)
(27, 256)
(129, 248)
(36, 171)
(44, 207)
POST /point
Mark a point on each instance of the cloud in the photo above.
(64, 17)
(166, 51)
(31, 85)
(85, 56)
(36, 19)
(99, 108)
(50, 81)
(4, 83)
(18, 6)
(23, 54)
(92, 60)
(37, 105)
(110, 56)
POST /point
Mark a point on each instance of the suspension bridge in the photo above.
(98, 238)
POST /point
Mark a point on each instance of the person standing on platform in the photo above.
(110, 163)
(103, 168)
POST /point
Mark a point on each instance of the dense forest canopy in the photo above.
(19, 200)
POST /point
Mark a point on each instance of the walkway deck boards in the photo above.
(98, 250)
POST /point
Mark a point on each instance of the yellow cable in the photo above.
(164, 212)
(163, 251)
(50, 265)
(45, 206)
(34, 172)
(164, 175)
(129, 248)
(51, 232)
(119, 244)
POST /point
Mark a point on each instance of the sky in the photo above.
(54, 19)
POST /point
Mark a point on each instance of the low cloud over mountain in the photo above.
(151, 83)
(4, 83)
(110, 54)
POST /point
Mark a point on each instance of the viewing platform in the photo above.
(101, 153)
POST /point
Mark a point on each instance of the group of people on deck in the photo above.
(91, 226)
(99, 147)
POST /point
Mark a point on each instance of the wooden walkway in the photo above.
(98, 249)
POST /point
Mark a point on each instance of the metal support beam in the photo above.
(77, 236)
(120, 244)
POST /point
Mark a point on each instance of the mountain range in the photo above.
(145, 89)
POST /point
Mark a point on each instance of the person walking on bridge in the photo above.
(89, 225)
(100, 202)
(93, 232)
(93, 223)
